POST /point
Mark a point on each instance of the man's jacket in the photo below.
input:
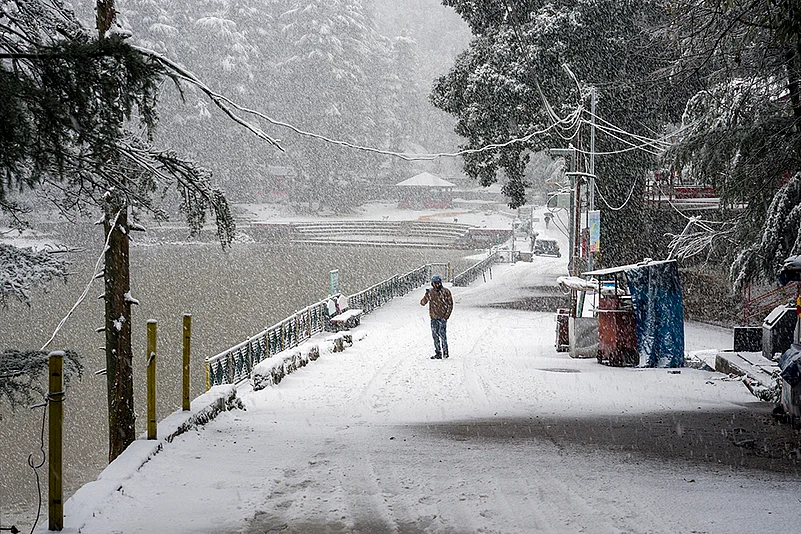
(441, 303)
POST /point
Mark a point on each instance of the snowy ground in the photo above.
(505, 436)
(28, 239)
(500, 217)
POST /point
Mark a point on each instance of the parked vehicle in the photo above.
(546, 246)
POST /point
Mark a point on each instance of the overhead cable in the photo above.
(603, 198)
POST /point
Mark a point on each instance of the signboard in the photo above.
(595, 231)
(559, 200)
(334, 282)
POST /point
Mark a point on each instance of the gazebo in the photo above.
(425, 190)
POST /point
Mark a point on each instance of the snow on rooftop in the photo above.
(425, 179)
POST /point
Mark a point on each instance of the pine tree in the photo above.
(71, 103)
(742, 128)
(499, 87)
(23, 269)
(327, 75)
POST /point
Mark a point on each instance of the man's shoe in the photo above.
(444, 355)
(436, 357)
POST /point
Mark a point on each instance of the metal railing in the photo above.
(479, 269)
(763, 303)
(236, 364)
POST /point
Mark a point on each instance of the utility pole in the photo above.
(591, 170)
(570, 155)
(575, 180)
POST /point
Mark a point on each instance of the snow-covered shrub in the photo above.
(268, 372)
(312, 351)
(337, 342)
(291, 360)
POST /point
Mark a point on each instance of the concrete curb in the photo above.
(750, 364)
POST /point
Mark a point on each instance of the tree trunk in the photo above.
(792, 58)
(119, 358)
(119, 369)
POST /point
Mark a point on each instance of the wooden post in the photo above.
(55, 507)
(151, 379)
(207, 365)
(187, 342)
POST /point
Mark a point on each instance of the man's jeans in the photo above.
(438, 331)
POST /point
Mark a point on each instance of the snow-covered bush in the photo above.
(270, 371)
(22, 269)
(23, 374)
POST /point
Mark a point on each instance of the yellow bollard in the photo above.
(55, 508)
(151, 379)
(187, 341)
(207, 365)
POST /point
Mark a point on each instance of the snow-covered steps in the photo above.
(751, 364)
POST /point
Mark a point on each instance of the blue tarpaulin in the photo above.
(790, 365)
(659, 309)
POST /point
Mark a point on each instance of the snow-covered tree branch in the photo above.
(742, 127)
(23, 269)
(700, 238)
(22, 374)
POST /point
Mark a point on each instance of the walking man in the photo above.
(440, 306)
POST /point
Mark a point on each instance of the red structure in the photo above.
(617, 324)
(425, 190)
(616, 332)
(279, 182)
(670, 185)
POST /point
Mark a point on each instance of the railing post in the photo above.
(207, 365)
(55, 508)
(151, 379)
(247, 359)
(187, 343)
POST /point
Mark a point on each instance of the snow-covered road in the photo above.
(506, 436)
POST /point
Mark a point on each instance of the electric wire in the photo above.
(563, 230)
(406, 156)
(603, 198)
(38, 466)
(88, 286)
(632, 146)
(567, 127)
(688, 217)
(658, 143)
(223, 102)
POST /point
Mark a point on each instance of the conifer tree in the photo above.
(75, 128)
(742, 128)
(501, 88)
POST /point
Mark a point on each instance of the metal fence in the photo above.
(235, 364)
(479, 269)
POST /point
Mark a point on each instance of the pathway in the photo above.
(505, 436)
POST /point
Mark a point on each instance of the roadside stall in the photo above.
(640, 315)
(790, 361)
(579, 325)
